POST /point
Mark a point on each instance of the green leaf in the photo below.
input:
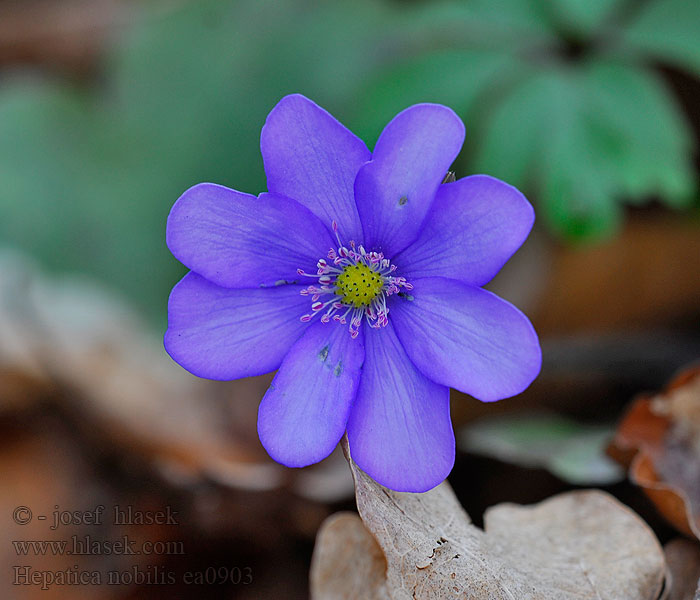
(581, 18)
(479, 24)
(578, 185)
(89, 176)
(77, 198)
(649, 140)
(572, 451)
(668, 30)
(534, 140)
(89, 182)
(514, 135)
(585, 140)
(460, 79)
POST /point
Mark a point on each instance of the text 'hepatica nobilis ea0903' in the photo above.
(358, 275)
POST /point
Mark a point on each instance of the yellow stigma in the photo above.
(358, 285)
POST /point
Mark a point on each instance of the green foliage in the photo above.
(596, 135)
(667, 30)
(88, 176)
(560, 100)
(572, 451)
(581, 18)
(557, 96)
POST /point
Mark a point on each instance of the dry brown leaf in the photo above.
(110, 368)
(75, 343)
(348, 562)
(660, 439)
(575, 545)
(683, 560)
(43, 467)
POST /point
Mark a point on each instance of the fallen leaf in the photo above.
(575, 545)
(659, 437)
(348, 562)
(116, 373)
(148, 434)
(75, 343)
(44, 468)
(683, 560)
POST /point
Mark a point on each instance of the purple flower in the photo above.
(358, 276)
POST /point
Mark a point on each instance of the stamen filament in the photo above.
(363, 280)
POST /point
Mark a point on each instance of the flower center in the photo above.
(357, 285)
(354, 285)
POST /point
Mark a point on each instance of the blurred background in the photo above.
(110, 109)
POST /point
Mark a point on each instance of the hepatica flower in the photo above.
(358, 275)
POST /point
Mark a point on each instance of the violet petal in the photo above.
(223, 333)
(399, 429)
(238, 240)
(467, 338)
(474, 226)
(313, 158)
(396, 189)
(303, 415)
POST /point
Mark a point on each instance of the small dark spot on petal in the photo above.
(403, 200)
(338, 368)
(323, 354)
